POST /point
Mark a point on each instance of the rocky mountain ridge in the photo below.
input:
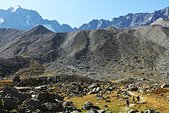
(94, 53)
(25, 19)
(130, 20)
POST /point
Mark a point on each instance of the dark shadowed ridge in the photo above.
(40, 29)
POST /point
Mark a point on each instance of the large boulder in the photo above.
(69, 106)
(165, 86)
(3, 111)
(10, 104)
(50, 107)
(93, 85)
(16, 79)
(21, 110)
(92, 111)
(32, 104)
(132, 87)
(14, 93)
(48, 97)
(151, 111)
(133, 111)
(88, 105)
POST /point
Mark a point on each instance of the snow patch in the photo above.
(100, 23)
(1, 20)
(28, 19)
(15, 8)
(150, 18)
(49, 27)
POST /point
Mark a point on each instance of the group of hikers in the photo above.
(128, 102)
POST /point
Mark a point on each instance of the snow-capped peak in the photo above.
(15, 8)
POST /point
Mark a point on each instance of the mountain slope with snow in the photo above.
(24, 19)
(128, 21)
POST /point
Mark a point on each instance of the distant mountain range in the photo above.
(129, 20)
(24, 19)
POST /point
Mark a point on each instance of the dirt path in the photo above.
(142, 100)
(152, 101)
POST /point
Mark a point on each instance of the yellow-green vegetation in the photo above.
(5, 83)
(116, 105)
(156, 100)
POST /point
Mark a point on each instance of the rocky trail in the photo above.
(77, 94)
(141, 101)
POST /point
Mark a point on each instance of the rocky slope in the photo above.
(162, 22)
(81, 94)
(95, 53)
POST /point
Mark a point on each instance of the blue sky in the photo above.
(77, 12)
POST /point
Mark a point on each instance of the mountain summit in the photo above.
(25, 19)
(15, 8)
(128, 21)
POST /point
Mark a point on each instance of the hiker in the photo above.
(133, 99)
(127, 103)
(16, 79)
(138, 98)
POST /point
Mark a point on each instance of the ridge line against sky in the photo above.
(78, 12)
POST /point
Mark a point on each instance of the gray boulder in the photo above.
(69, 106)
(133, 111)
(132, 87)
(165, 86)
(21, 110)
(48, 97)
(14, 94)
(93, 85)
(151, 111)
(3, 111)
(88, 105)
(10, 104)
(52, 107)
(32, 104)
(92, 111)
(75, 111)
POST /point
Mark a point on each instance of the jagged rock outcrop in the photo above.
(130, 20)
